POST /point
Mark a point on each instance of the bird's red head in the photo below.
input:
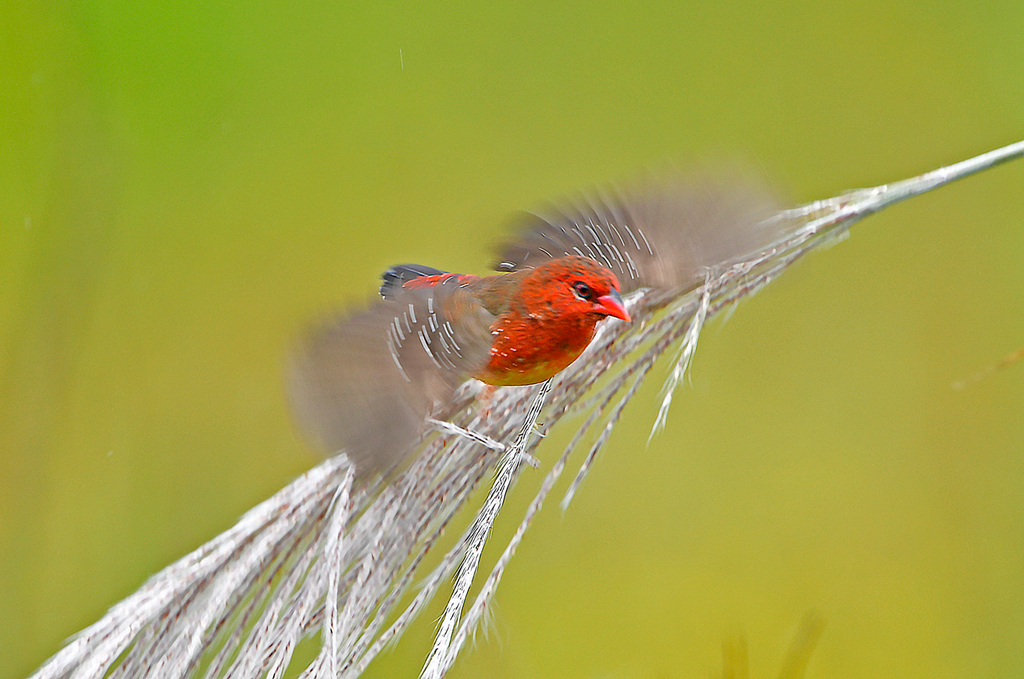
(574, 286)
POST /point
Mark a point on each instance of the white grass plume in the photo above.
(329, 556)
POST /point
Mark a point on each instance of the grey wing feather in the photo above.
(364, 383)
(663, 234)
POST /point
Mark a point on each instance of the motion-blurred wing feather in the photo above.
(363, 384)
(662, 235)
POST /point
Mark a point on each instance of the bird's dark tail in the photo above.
(394, 278)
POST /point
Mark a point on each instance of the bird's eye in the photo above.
(582, 290)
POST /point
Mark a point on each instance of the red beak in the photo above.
(611, 304)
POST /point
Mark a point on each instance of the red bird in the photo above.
(543, 318)
(365, 383)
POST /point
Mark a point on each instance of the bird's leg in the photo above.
(483, 397)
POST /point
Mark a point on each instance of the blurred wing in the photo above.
(662, 235)
(363, 384)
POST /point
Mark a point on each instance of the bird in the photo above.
(367, 383)
(543, 317)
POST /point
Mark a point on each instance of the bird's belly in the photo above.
(534, 357)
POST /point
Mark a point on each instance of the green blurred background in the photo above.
(184, 186)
